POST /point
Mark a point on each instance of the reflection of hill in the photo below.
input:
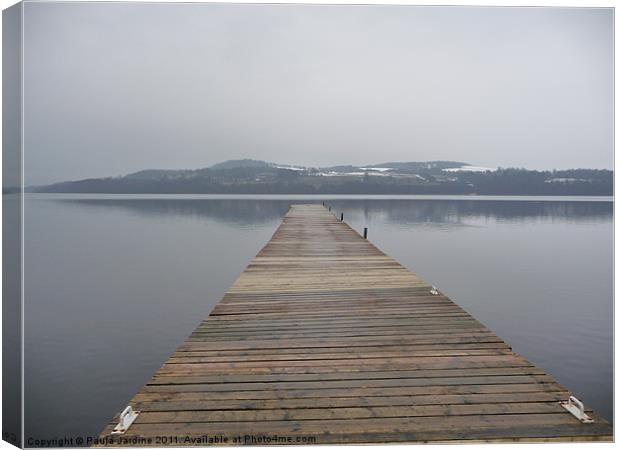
(233, 212)
(251, 211)
(403, 211)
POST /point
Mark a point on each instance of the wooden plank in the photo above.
(325, 339)
(149, 394)
(363, 375)
(342, 402)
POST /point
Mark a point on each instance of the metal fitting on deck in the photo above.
(126, 418)
(575, 407)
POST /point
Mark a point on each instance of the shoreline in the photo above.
(130, 196)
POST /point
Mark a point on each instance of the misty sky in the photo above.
(113, 88)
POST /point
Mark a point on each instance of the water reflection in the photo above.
(231, 212)
(244, 212)
(448, 211)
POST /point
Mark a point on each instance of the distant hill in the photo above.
(412, 166)
(155, 174)
(248, 176)
(423, 165)
(242, 164)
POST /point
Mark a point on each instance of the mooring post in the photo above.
(330, 208)
(365, 233)
(341, 217)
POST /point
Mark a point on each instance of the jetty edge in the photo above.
(324, 339)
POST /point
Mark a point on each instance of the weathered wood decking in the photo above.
(325, 339)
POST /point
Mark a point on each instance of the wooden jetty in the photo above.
(325, 339)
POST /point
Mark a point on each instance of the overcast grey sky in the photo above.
(114, 88)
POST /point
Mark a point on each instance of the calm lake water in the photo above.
(115, 283)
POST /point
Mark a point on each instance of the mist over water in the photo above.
(114, 284)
